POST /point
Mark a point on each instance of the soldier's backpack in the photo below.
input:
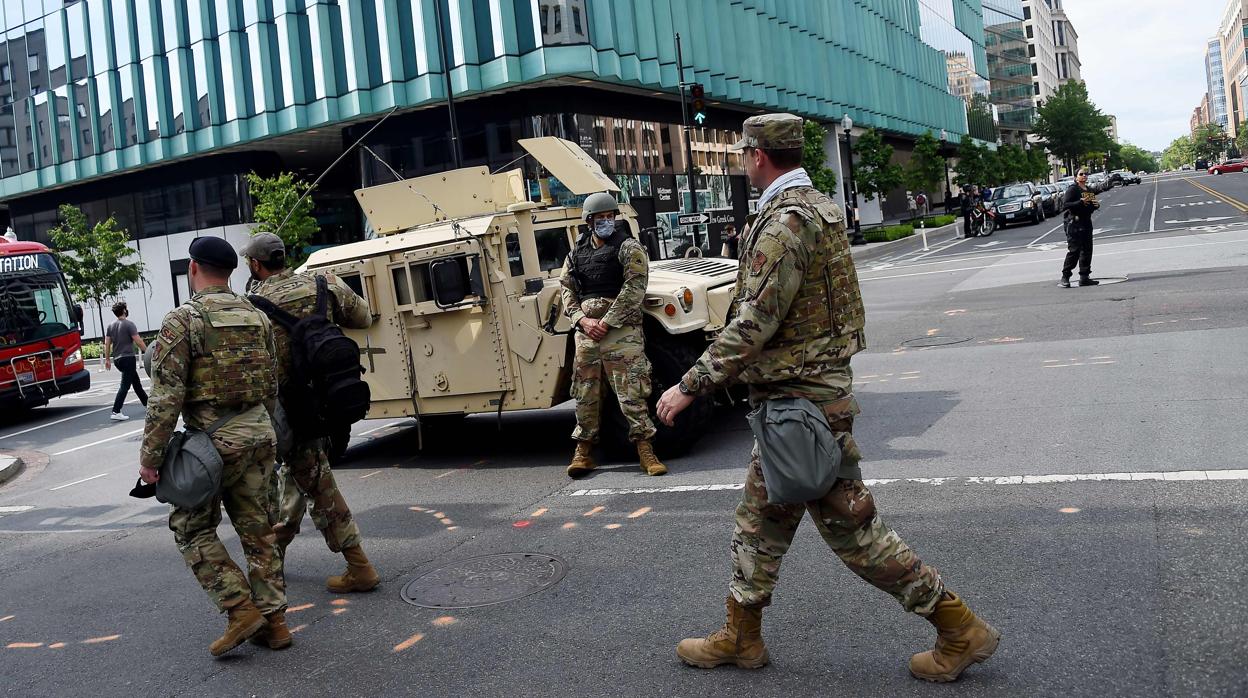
(324, 388)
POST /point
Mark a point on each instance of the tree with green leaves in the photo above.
(1209, 141)
(1014, 165)
(973, 167)
(926, 170)
(814, 159)
(93, 258)
(1070, 125)
(875, 173)
(1180, 152)
(275, 197)
(1038, 169)
(1137, 159)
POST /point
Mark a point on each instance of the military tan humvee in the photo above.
(463, 282)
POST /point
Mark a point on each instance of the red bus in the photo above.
(40, 343)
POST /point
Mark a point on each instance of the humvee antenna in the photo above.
(510, 164)
(337, 160)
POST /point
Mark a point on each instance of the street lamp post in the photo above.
(857, 239)
(944, 145)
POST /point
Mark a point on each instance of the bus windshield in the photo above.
(34, 303)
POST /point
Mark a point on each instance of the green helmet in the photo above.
(601, 202)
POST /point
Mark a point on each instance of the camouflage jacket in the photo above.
(296, 294)
(625, 310)
(796, 317)
(180, 388)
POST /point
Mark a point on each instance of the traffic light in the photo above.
(699, 103)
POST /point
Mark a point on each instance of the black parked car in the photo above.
(1051, 199)
(1014, 203)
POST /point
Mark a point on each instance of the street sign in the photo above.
(693, 219)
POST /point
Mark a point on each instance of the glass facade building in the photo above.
(1216, 83)
(152, 110)
(1009, 64)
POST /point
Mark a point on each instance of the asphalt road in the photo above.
(1071, 460)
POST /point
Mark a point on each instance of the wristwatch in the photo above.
(684, 389)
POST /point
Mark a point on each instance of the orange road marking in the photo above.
(612, 527)
(23, 645)
(538, 513)
(569, 525)
(445, 521)
(97, 640)
(296, 609)
(445, 621)
(56, 645)
(339, 611)
(593, 511)
(639, 513)
(297, 628)
(7, 618)
(409, 642)
(340, 602)
(1069, 510)
(452, 528)
(416, 508)
(439, 515)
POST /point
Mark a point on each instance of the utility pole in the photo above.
(458, 157)
(684, 117)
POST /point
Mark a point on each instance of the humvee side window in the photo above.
(402, 292)
(354, 282)
(421, 283)
(514, 262)
(552, 247)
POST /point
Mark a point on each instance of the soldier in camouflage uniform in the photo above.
(796, 320)
(308, 474)
(604, 284)
(215, 357)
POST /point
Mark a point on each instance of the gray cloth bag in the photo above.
(190, 475)
(798, 452)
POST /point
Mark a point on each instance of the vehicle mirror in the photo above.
(450, 282)
(78, 313)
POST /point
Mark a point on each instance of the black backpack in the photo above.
(324, 389)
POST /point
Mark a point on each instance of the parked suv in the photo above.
(1016, 202)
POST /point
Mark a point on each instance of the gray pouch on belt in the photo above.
(797, 450)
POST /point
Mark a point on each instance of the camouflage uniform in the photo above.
(795, 321)
(307, 473)
(620, 358)
(215, 356)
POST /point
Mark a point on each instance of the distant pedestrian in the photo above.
(1080, 202)
(911, 205)
(120, 339)
(948, 201)
(969, 199)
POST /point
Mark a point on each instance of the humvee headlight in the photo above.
(686, 299)
(670, 310)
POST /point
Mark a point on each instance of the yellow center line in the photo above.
(1239, 205)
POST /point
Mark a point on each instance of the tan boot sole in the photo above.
(758, 663)
(243, 637)
(657, 471)
(980, 655)
(578, 472)
(354, 588)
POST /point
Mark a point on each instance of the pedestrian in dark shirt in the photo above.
(1080, 203)
(119, 341)
(731, 240)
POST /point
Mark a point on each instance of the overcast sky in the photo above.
(1144, 61)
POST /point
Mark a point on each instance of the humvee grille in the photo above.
(699, 266)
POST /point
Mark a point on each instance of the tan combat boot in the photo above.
(360, 575)
(582, 460)
(739, 642)
(962, 639)
(649, 462)
(275, 635)
(245, 621)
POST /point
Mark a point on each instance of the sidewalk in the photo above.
(10, 466)
(875, 250)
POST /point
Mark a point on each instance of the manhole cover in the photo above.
(486, 580)
(934, 341)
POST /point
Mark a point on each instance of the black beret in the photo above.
(215, 252)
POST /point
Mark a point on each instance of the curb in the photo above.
(10, 466)
(880, 249)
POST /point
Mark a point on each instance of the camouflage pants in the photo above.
(847, 520)
(306, 478)
(244, 489)
(619, 358)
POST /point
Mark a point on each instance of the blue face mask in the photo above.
(604, 228)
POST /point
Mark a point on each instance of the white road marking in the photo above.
(41, 426)
(933, 251)
(994, 243)
(15, 509)
(1164, 476)
(1152, 225)
(76, 482)
(1044, 236)
(1189, 196)
(383, 426)
(1050, 260)
(1201, 220)
(97, 443)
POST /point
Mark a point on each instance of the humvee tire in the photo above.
(670, 357)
